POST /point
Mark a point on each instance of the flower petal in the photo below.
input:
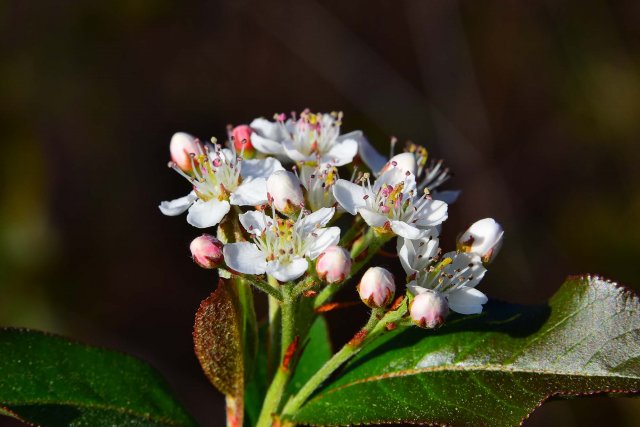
(244, 257)
(207, 214)
(265, 145)
(374, 219)
(177, 206)
(467, 296)
(285, 271)
(254, 222)
(407, 254)
(322, 239)
(250, 193)
(406, 230)
(374, 160)
(267, 129)
(391, 176)
(448, 196)
(413, 287)
(349, 195)
(292, 150)
(341, 153)
(433, 213)
(259, 168)
(317, 219)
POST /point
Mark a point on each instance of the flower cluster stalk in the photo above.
(282, 375)
(375, 327)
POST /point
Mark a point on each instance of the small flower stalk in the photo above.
(305, 210)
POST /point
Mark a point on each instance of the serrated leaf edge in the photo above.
(585, 278)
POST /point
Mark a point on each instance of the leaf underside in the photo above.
(50, 381)
(217, 340)
(492, 369)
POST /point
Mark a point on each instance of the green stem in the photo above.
(367, 334)
(273, 343)
(273, 292)
(352, 232)
(283, 374)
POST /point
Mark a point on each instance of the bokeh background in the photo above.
(534, 104)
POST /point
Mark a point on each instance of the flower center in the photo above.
(214, 176)
(282, 239)
(315, 133)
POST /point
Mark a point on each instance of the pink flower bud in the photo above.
(182, 147)
(333, 265)
(483, 238)
(242, 141)
(429, 309)
(206, 251)
(404, 161)
(377, 287)
(284, 191)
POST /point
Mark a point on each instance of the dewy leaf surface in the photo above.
(50, 381)
(492, 369)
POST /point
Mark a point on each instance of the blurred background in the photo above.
(535, 106)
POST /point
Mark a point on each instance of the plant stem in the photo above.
(352, 232)
(235, 411)
(375, 327)
(273, 343)
(288, 346)
(273, 292)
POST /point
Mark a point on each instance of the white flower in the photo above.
(484, 238)
(318, 181)
(454, 277)
(392, 203)
(220, 179)
(312, 138)
(417, 255)
(430, 175)
(281, 247)
(284, 191)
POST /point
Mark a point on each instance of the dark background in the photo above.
(534, 104)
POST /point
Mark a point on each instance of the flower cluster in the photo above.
(291, 179)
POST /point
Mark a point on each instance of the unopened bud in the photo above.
(334, 264)
(429, 309)
(182, 147)
(284, 190)
(377, 287)
(206, 251)
(404, 161)
(483, 238)
(242, 141)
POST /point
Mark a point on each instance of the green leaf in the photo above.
(316, 352)
(51, 381)
(494, 368)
